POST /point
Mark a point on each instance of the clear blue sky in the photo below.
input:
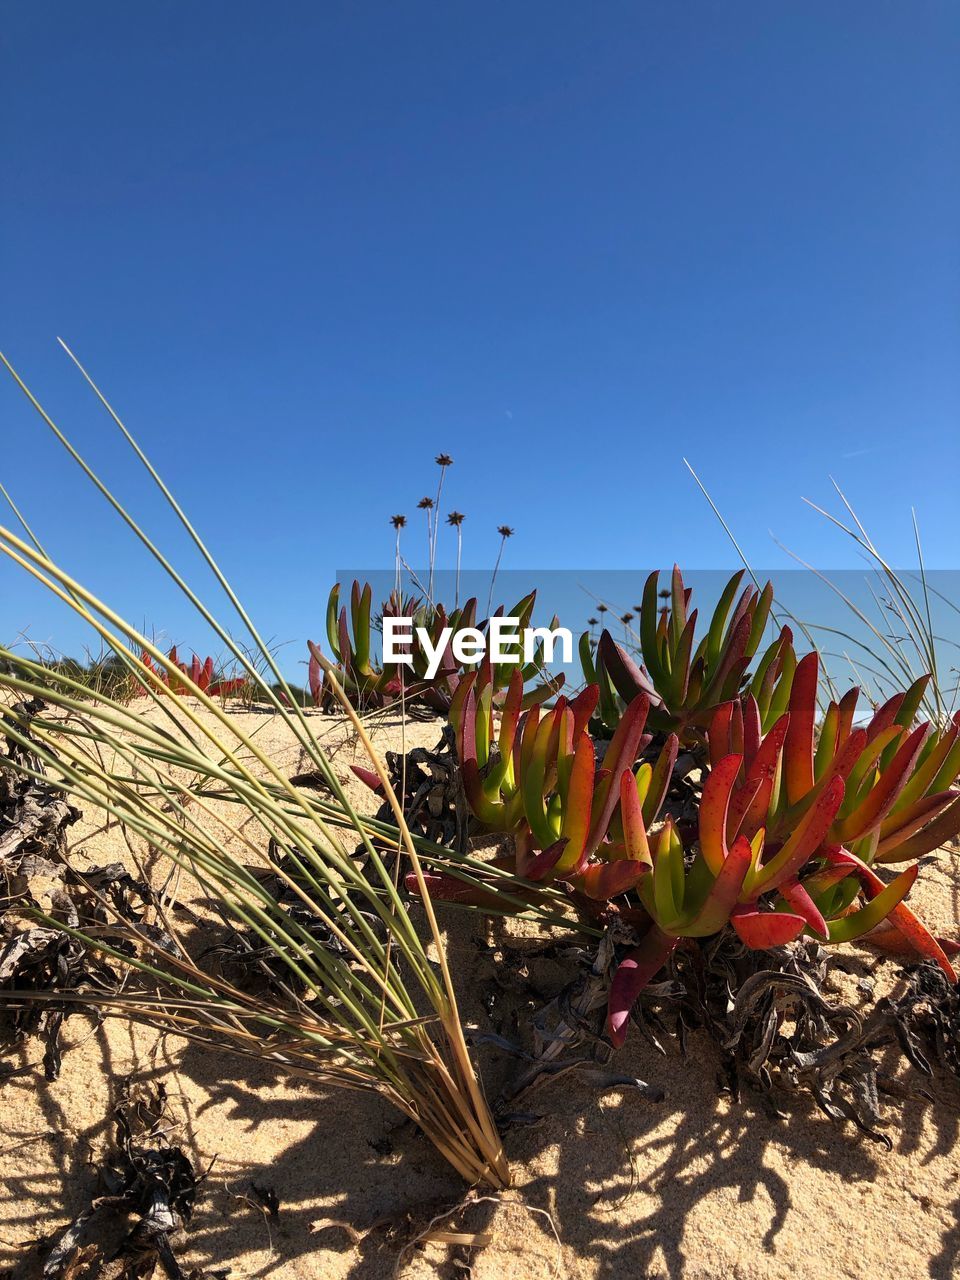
(305, 246)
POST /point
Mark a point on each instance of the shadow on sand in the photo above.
(621, 1177)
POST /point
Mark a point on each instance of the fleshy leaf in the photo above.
(635, 971)
(760, 930)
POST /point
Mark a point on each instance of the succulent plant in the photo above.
(199, 676)
(369, 683)
(351, 643)
(899, 799)
(788, 823)
(535, 775)
(769, 891)
(686, 683)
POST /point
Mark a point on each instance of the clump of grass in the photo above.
(103, 673)
(367, 1008)
(901, 642)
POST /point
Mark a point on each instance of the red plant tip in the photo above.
(626, 619)
(425, 504)
(398, 522)
(456, 518)
(368, 777)
(505, 531)
(443, 460)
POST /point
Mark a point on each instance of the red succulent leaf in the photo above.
(888, 938)
(620, 755)
(806, 839)
(798, 898)
(751, 800)
(760, 930)
(714, 805)
(368, 777)
(541, 864)
(720, 733)
(885, 715)
(847, 708)
(626, 677)
(605, 880)
(631, 814)
(583, 706)
(920, 938)
(510, 715)
(447, 888)
(315, 678)
(223, 688)
(635, 971)
(732, 657)
(578, 803)
(752, 729)
(724, 892)
(798, 747)
(853, 748)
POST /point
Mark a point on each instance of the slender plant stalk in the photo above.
(505, 532)
(456, 518)
(443, 461)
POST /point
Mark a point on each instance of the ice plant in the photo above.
(198, 677)
(686, 680)
(379, 1012)
(900, 798)
(769, 863)
(769, 892)
(350, 637)
(536, 776)
(368, 682)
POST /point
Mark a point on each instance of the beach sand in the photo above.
(694, 1187)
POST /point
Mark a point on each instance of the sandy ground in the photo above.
(696, 1186)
